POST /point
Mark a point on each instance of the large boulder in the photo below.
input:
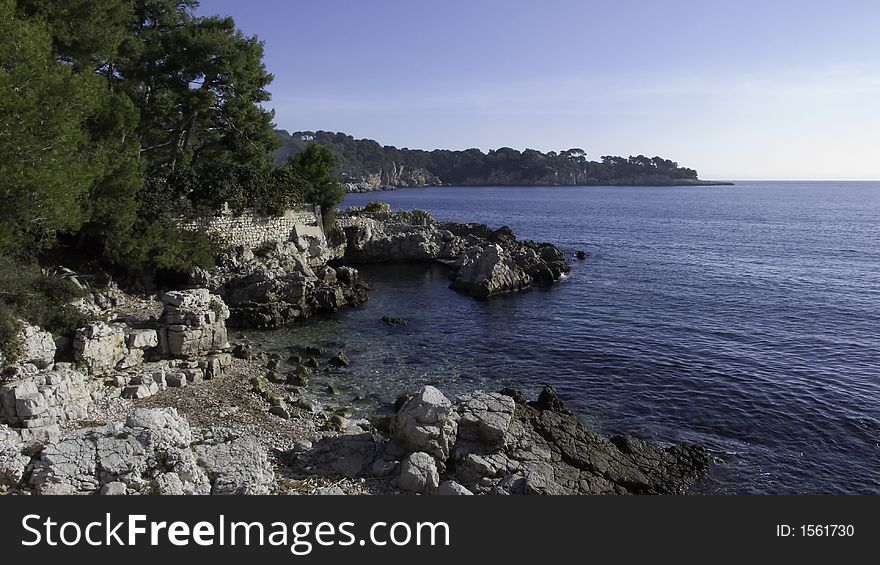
(99, 347)
(33, 345)
(489, 271)
(426, 422)
(418, 473)
(193, 323)
(484, 417)
(237, 465)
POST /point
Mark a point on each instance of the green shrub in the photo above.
(38, 298)
(377, 207)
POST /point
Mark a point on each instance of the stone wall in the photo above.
(252, 230)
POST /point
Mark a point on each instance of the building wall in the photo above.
(253, 230)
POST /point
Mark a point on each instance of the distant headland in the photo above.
(365, 165)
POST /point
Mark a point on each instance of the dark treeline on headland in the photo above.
(364, 162)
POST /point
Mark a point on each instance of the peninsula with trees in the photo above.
(364, 165)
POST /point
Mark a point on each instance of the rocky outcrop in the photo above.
(193, 323)
(494, 443)
(544, 451)
(278, 286)
(427, 422)
(154, 452)
(418, 473)
(484, 262)
(13, 461)
(99, 347)
(33, 345)
(393, 175)
(37, 404)
(489, 271)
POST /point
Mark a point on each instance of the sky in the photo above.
(745, 89)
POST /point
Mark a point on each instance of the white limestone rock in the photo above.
(143, 339)
(99, 347)
(12, 461)
(485, 417)
(427, 422)
(238, 466)
(35, 345)
(452, 488)
(418, 473)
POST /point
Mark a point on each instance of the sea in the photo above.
(744, 318)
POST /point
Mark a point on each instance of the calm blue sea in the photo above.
(744, 318)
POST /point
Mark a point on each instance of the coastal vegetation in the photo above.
(116, 116)
(364, 161)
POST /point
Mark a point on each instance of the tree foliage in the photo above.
(359, 159)
(315, 165)
(117, 116)
(48, 164)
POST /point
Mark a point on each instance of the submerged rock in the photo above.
(392, 321)
(340, 360)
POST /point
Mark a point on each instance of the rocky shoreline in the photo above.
(152, 397)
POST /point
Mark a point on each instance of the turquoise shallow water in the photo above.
(744, 318)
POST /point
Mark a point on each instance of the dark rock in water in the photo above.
(273, 364)
(307, 404)
(332, 389)
(516, 395)
(337, 422)
(315, 350)
(581, 255)
(549, 400)
(401, 400)
(294, 359)
(274, 377)
(340, 360)
(243, 351)
(347, 275)
(485, 262)
(391, 321)
(311, 362)
(299, 377)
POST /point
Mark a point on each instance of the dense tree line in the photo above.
(117, 115)
(359, 159)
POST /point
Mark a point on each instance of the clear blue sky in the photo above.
(744, 89)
